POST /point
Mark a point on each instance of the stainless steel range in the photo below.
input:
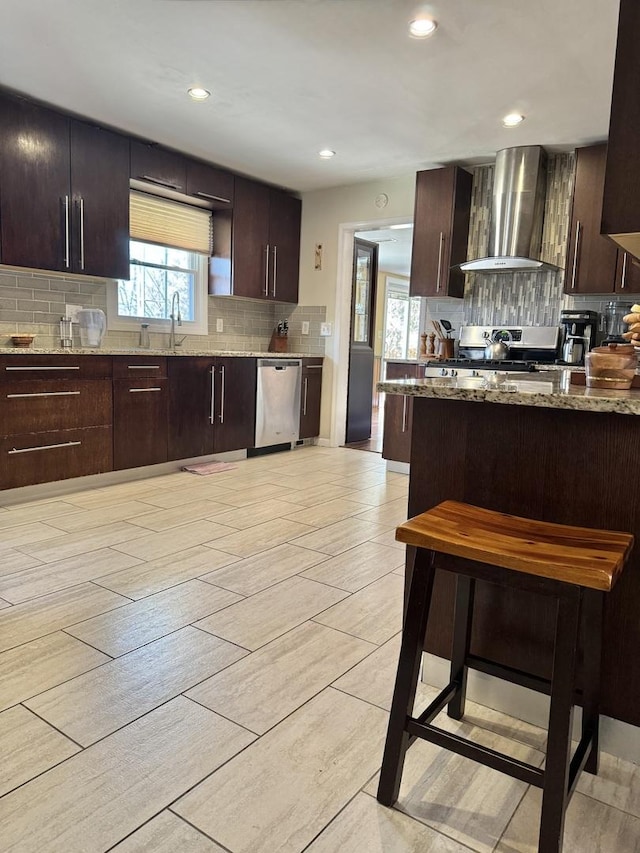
(530, 349)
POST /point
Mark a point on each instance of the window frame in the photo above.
(400, 285)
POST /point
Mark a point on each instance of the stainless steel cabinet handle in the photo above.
(161, 182)
(66, 231)
(222, 395)
(266, 272)
(74, 367)
(404, 414)
(44, 394)
(143, 366)
(213, 388)
(623, 283)
(275, 269)
(141, 390)
(81, 233)
(306, 388)
(440, 249)
(313, 367)
(575, 256)
(213, 197)
(44, 447)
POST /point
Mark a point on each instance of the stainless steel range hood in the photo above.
(517, 213)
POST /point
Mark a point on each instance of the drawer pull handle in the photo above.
(44, 447)
(142, 390)
(213, 197)
(44, 394)
(313, 367)
(75, 367)
(161, 183)
(143, 366)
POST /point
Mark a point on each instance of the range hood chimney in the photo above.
(517, 213)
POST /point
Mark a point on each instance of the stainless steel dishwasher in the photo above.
(278, 401)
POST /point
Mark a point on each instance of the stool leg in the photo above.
(592, 620)
(465, 589)
(404, 693)
(556, 774)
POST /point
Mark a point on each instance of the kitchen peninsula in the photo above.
(541, 448)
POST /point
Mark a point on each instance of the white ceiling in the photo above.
(290, 77)
(394, 248)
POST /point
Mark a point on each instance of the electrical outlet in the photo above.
(71, 312)
(219, 325)
(305, 327)
(325, 330)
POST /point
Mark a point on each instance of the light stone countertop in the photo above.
(155, 352)
(546, 389)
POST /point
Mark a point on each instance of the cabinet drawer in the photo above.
(313, 365)
(42, 405)
(139, 367)
(58, 455)
(54, 367)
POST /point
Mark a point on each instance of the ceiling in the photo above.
(394, 248)
(289, 77)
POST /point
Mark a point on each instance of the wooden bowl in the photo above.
(22, 340)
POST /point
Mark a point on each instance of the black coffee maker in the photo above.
(578, 335)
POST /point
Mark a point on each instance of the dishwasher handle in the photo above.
(279, 363)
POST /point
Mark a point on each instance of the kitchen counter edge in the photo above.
(153, 352)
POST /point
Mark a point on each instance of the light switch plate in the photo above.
(219, 325)
(305, 327)
(325, 330)
(71, 312)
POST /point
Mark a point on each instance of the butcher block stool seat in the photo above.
(574, 567)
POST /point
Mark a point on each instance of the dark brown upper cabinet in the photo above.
(264, 231)
(593, 263)
(64, 204)
(157, 165)
(212, 185)
(440, 231)
(621, 200)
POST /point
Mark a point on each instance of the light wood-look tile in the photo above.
(617, 784)
(324, 753)
(367, 827)
(339, 537)
(590, 827)
(151, 546)
(280, 676)
(41, 664)
(167, 833)
(265, 569)
(373, 679)
(255, 494)
(26, 535)
(54, 576)
(33, 619)
(241, 518)
(97, 703)
(69, 545)
(40, 512)
(4, 604)
(141, 622)
(357, 567)
(12, 561)
(201, 491)
(104, 793)
(390, 514)
(165, 519)
(269, 614)
(381, 494)
(146, 578)
(77, 520)
(28, 747)
(374, 613)
(389, 538)
(246, 543)
(310, 495)
(109, 496)
(322, 515)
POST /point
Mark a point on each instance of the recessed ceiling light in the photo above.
(403, 225)
(326, 153)
(422, 28)
(198, 94)
(512, 120)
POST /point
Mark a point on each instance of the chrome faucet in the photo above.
(175, 317)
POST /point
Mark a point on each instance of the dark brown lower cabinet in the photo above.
(234, 404)
(140, 409)
(310, 397)
(398, 416)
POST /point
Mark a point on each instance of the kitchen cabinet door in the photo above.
(627, 273)
(191, 415)
(440, 231)
(139, 422)
(310, 397)
(234, 404)
(591, 258)
(210, 184)
(157, 165)
(35, 203)
(251, 274)
(284, 244)
(398, 416)
(100, 196)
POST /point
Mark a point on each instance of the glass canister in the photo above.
(613, 322)
(612, 366)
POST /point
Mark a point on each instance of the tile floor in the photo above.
(197, 665)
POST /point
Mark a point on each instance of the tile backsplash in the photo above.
(33, 302)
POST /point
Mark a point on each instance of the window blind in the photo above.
(168, 223)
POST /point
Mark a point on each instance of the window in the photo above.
(169, 250)
(401, 321)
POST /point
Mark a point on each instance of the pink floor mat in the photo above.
(204, 468)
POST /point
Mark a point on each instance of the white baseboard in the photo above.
(323, 442)
(398, 467)
(617, 738)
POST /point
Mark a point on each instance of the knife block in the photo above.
(279, 343)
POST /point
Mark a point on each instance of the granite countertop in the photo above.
(546, 389)
(155, 352)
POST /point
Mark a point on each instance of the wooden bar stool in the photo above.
(575, 566)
